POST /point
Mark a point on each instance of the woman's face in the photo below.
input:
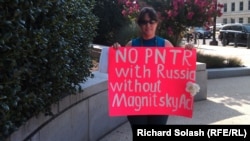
(148, 27)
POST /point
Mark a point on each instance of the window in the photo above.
(247, 28)
(236, 28)
(240, 20)
(241, 6)
(225, 7)
(225, 21)
(248, 19)
(232, 20)
(249, 5)
(232, 6)
(226, 28)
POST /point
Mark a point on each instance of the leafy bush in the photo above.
(217, 61)
(113, 26)
(44, 55)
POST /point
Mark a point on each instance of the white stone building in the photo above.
(234, 11)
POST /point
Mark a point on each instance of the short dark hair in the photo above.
(151, 13)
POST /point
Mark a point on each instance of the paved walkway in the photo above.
(228, 102)
(228, 99)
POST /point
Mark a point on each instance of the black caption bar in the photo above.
(206, 132)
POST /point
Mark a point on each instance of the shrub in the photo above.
(113, 26)
(44, 55)
(217, 61)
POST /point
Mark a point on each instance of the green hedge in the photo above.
(44, 55)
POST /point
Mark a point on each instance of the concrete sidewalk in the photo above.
(228, 102)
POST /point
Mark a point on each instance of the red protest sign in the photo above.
(150, 81)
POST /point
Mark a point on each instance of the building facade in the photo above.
(234, 11)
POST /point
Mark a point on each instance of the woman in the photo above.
(148, 22)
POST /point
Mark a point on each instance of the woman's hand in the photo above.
(116, 45)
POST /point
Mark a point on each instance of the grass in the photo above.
(217, 61)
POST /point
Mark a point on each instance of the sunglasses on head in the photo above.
(144, 22)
